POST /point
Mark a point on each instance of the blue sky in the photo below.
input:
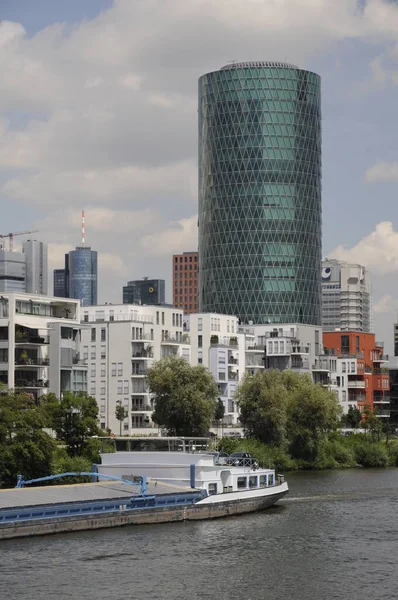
(98, 111)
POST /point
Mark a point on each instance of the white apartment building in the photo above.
(220, 347)
(346, 297)
(40, 344)
(120, 344)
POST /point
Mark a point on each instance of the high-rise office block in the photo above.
(346, 297)
(260, 193)
(12, 271)
(79, 278)
(144, 291)
(36, 267)
(186, 282)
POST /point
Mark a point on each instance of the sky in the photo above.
(98, 111)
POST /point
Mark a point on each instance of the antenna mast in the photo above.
(82, 228)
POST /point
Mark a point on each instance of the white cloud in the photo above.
(377, 251)
(382, 172)
(177, 237)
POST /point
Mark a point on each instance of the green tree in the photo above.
(120, 413)
(371, 423)
(24, 447)
(262, 401)
(312, 412)
(353, 417)
(219, 413)
(75, 421)
(185, 396)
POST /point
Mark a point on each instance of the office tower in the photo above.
(346, 297)
(144, 291)
(36, 267)
(260, 193)
(186, 281)
(12, 271)
(79, 278)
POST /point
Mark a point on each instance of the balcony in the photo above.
(139, 373)
(140, 408)
(31, 383)
(255, 348)
(32, 363)
(320, 366)
(383, 413)
(356, 385)
(31, 340)
(232, 375)
(381, 400)
(143, 355)
(171, 340)
(141, 337)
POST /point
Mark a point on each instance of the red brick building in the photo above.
(369, 356)
(186, 281)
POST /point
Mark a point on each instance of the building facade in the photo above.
(40, 345)
(361, 376)
(144, 291)
(119, 344)
(346, 297)
(260, 193)
(36, 267)
(79, 278)
(12, 271)
(186, 282)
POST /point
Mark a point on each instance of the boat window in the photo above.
(270, 480)
(263, 481)
(252, 481)
(212, 489)
(242, 483)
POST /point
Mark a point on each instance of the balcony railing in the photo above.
(31, 339)
(31, 383)
(141, 337)
(32, 362)
(139, 372)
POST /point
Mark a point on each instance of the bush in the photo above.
(340, 452)
(63, 463)
(371, 455)
(393, 454)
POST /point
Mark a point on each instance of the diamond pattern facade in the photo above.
(260, 193)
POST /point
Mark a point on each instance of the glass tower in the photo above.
(260, 193)
(83, 275)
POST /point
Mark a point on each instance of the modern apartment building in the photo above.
(186, 282)
(36, 267)
(346, 297)
(260, 193)
(40, 344)
(119, 344)
(218, 345)
(360, 376)
(144, 291)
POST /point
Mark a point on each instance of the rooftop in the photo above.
(259, 63)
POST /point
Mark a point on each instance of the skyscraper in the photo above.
(12, 271)
(346, 297)
(144, 291)
(186, 282)
(36, 267)
(79, 278)
(260, 193)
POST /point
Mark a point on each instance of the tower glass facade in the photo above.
(83, 275)
(260, 193)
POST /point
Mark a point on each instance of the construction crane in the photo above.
(11, 236)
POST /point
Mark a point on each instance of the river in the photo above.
(334, 537)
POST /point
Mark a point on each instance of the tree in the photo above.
(353, 417)
(185, 396)
(24, 447)
(75, 421)
(262, 401)
(219, 413)
(120, 413)
(371, 423)
(312, 412)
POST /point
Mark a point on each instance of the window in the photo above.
(263, 481)
(343, 395)
(103, 388)
(103, 335)
(252, 481)
(103, 352)
(242, 483)
(92, 390)
(200, 341)
(212, 489)
(343, 367)
(120, 369)
(125, 426)
(85, 318)
(162, 318)
(85, 352)
(126, 387)
(93, 332)
(271, 479)
(200, 324)
(93, 355)
(113, 371)
(120, 387)
(93, 373)
(157, 317)
(173, 319)
(103, 370)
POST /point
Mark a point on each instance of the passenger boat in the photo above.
(153, 480)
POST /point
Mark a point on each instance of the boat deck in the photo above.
(81, 492)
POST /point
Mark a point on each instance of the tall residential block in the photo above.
(144, 291)
(346, 297)
(260, 193)
(36, 267)
(186, 282)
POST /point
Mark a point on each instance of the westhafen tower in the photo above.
(260, 193)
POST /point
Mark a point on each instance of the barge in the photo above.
(143, 485)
